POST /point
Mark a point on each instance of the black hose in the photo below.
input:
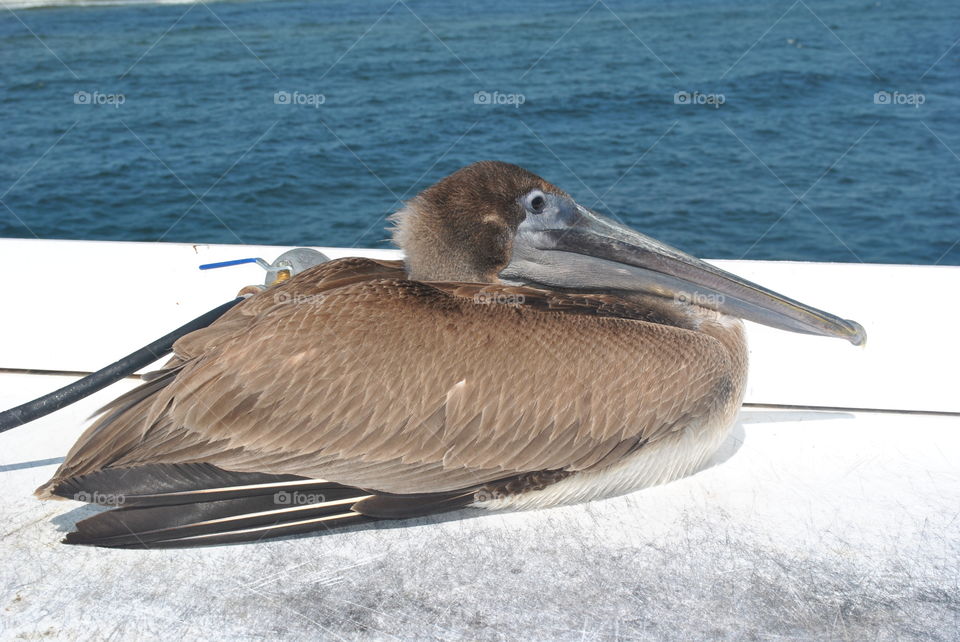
(104, 377)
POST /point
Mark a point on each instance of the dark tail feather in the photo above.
(216, 522)
(165, 506)
(253, 534)
(402, 507)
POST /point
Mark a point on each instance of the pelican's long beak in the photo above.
(570, 246)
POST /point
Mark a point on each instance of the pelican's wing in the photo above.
(405, 387)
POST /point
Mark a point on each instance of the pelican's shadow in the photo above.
(759, 415)
(67, 522)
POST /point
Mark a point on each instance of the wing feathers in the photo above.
(410, 387)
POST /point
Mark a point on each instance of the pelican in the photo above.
(527, 352)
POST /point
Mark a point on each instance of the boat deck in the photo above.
(832, 511)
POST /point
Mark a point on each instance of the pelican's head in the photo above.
(494, 221)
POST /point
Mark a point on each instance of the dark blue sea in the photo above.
(801, 129)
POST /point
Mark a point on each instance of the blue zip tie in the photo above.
(211, 266)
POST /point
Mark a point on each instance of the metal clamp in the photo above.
(287, 265)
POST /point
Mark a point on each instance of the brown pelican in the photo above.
(528, 352)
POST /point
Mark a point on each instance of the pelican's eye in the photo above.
(535, 202)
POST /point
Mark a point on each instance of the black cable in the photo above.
(104, 377)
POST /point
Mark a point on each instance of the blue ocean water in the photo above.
(729, 129)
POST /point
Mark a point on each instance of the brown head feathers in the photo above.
(462, 228)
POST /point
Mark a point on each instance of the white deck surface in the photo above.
(815, 523)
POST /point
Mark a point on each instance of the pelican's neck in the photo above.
(429, 256)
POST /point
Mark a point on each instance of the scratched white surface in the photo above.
(812, 524)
